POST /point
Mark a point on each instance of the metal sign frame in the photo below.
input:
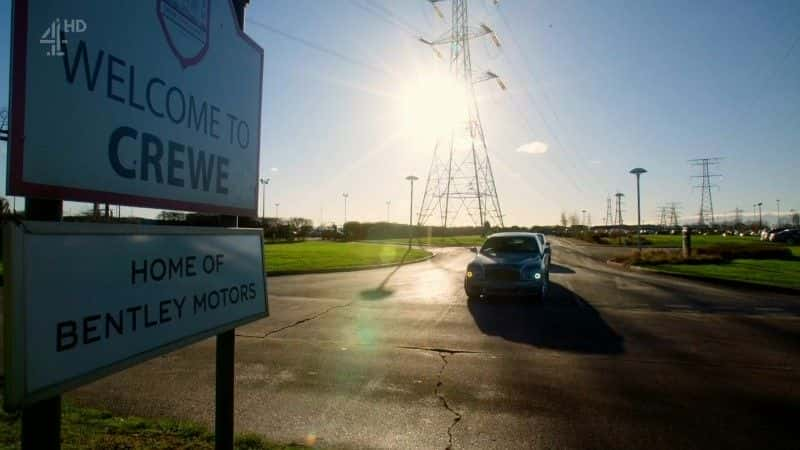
(14, 306)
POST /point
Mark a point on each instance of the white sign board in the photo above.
(151, 103)
(85, 300)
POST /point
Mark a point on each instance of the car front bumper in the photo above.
(487, 287)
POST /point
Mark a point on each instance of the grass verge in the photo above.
(438, 241)
(310, 256)
(85, 428)
(769, 272)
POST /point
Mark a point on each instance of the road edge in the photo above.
(284, 273)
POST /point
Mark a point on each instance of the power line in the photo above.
(318, 47)
(527, 66)
(384, 18)
(388, 12)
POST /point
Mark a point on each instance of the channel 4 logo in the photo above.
(54, 36)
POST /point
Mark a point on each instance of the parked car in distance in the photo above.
(788, 236)
(509, 264)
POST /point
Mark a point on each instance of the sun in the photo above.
(432, 106)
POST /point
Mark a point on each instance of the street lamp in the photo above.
(778, 201)
(638, 172)
(411, 179)
(264, 182)
(760, 223)
(388, 204)
(583, 217)
(276, 210)
(345, 195)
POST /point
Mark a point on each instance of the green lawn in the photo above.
(325, 255)
(449, 241)
(772, 272)
(83, 428)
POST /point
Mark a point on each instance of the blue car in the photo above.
(509, 264)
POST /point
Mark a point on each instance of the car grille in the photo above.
(501, 273)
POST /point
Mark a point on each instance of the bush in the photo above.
(709, 255)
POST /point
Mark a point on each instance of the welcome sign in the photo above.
(151, 103)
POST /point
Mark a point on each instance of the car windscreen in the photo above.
(511, 244)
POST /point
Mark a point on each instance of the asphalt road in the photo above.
(398, 358)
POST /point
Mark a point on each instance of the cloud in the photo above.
(533, 148)
(273, 170)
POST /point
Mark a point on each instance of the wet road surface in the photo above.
(399, 358)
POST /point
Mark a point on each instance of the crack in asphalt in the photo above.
(437, 350)
(437, 391)
(294, 324)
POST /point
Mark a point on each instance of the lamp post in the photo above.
(583, 217)
(760, 223)
(345, 195)
(638, 172)
(264, 182)
(411, 179)
(276, 210)
(388, 204)
(778, 201)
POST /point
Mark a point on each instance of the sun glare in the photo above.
(431, 106)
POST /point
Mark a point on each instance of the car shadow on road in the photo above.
(555, 268)
(564, 321)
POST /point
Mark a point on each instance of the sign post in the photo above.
(155, 120)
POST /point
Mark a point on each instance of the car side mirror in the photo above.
(473, 249)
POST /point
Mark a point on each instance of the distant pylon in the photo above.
(460, 178)
(706, 213)
(673, 213)
(609, 220)
(618, 210)
(662, 216)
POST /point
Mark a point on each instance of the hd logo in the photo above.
(54, 36)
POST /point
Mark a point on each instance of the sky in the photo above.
(594, 89)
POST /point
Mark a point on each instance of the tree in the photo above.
(574, 220)
(171, 216)
(563, 220)
(796, 219)
(3, 124)
(5, 209)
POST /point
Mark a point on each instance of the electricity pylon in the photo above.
(662, 215)
(609, 220)
(673, 213)
(460, 177)
(706, 202)
(618, 211)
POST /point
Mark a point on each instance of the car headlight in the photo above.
(531, 274)
(474, 272)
